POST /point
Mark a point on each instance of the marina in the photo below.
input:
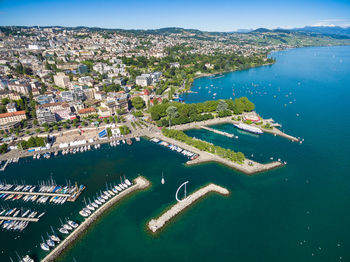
(47, 192)
(158, 223)
(139, 183)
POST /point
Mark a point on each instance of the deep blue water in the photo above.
(296, 213)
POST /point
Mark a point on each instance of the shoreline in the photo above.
(222, 73)
(140, 183)
(158, 223)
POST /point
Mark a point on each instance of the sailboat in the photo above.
(162, 181)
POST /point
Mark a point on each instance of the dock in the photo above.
(34, 193)
(4, 166)
(217, 131)
(157, 223)
(139, 183)
(28, 219)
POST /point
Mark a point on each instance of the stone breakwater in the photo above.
(158, 223)
(139, 184)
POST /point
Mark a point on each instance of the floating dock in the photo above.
(28, 219)
(158, 223)
(70, 196)
(217, 131)
(139, 184)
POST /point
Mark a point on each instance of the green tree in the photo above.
(138, 102)
(172, 113)
(222, 106)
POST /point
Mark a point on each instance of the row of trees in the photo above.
(178, 113)
(124, 130)
(237, 157)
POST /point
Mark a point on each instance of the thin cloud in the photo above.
(332, 22)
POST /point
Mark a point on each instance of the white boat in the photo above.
(44, 246)
(249, 128)
(162, 181)
(72, 224)
(63, 230)
(83, 213)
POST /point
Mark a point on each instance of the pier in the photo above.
(158, 223)
(4, 166)
(28, 219)
(217, 131)
(139, 183)
(34, 193)
(248, 167)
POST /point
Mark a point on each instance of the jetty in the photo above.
(4, 166)
(28, 219)
(248, 167)
(217, 131)
(140, 183)
(157, 223)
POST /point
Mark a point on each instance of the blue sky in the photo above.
(213, 15)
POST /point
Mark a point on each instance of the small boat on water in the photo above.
(162, 181)
(63, 230)
(44, 246)
(129, 141)
(27, 259)
(72, 224)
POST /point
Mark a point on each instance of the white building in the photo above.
(61, 80)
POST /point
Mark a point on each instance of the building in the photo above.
(176, 65)
(144, 80)
(11, 107)
(82, 69)
(44, 115)
(61, 80)
(119, 81)
(87, 111)
(22, 88)
(68, 96)
(43, 99)
(11, 120)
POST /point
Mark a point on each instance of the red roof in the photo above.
(87, 110)
(18, 113)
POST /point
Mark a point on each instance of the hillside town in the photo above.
(54, 78)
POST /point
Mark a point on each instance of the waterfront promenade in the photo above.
(139, 183)
(157, 223)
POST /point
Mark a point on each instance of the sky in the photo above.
(207, 15)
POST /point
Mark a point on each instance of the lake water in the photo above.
(296, 213)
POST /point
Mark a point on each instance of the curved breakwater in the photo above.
(158, 223)
(139, 184)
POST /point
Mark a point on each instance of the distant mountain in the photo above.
(262, 30)
(325, 30)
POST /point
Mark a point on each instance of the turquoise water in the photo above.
(296, 213)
